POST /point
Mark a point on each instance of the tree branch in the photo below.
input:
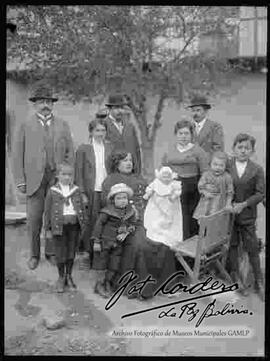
(177, 57)
(157, 123)
(135, 110)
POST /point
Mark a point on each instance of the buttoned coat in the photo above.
(30, 154)
(85, 167)
(210, 137)
(249, 188)
(54, 208)
(109, 222)
(128, 140)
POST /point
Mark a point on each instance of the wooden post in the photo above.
(11, 197)
(255, 38)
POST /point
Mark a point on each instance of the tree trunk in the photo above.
(148, 170)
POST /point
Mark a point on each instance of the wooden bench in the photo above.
(209, 248)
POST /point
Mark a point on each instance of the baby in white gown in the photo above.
(163, 213)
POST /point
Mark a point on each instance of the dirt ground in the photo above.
(86, 328)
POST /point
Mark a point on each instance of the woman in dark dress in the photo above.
(140, 254)
(122, 171)
(189, 161)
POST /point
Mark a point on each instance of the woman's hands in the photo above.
(238, 207)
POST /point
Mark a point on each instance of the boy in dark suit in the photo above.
(249, 190)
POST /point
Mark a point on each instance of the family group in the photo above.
(96, 200)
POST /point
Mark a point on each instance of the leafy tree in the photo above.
(142, 51)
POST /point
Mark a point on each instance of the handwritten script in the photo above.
(190, 308)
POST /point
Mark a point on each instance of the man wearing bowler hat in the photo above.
(42, 142)
(120, 132)
(208, 134)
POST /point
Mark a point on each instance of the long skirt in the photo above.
(189, 199)
(145, 258)
(94, 207)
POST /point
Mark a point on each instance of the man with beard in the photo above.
(120, 132)
(208, 134)
(42, 142)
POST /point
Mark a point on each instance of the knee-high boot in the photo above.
(61, 280)
(68, 277)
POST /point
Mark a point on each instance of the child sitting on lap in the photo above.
(163, 213)
(115, 223)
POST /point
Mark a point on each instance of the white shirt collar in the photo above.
(200, 125)
(45, 119)
(240, 167)
(97, 144)
(115, 122)
(183, 149)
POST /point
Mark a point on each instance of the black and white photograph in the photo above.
(135, 180)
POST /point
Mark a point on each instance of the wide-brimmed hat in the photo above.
(115, 100)
(42, 92)
(120, 188)
(199, 100)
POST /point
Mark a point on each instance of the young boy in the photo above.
(116, 222)
(64, 218)
(249, 190)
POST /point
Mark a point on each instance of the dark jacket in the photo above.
(85, 167)
(54, 206)
(211, 137)
(30, 155)
(111, 222)
(249, 188)
(128, 140)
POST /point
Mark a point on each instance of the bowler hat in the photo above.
(120, 188)
(42, 92)
(199, 101)
(101, 114)
(115, 100)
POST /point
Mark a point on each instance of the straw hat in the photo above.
(120, 188)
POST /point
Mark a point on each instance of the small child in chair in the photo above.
(163, 213)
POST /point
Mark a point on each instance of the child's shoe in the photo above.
(258, 288)
(108, 288)
(100, 289)
(60, 285)
(70, 283)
